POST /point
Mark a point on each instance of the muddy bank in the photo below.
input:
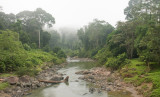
(20, 86)
(104, 80)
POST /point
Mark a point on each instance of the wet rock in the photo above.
(85, 94)
(87, 72)
(57, 78)
(83, 72)
(12, 80)
(79, 72)
(91, 90)
(81, 77)
(76, 81)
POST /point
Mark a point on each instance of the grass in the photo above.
(3, 85)
(137, 74)
(7, 74)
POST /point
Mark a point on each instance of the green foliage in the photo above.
(26, 47)
(155, 93)
(59, 52)
(3, 85)
(7, 74)
(115, 63)
(26, 71)
(93, 37)
(12, 53)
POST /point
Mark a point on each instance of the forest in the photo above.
(132, 47)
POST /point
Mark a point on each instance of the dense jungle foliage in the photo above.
(24, 45)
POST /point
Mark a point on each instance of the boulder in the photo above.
(25, 81)
(12, 80)
(57, 78)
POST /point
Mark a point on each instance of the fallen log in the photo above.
(55, 82)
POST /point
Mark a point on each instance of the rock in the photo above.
(35, 84)
(110, 83)
(79, 72)
(76, 81)
(99, 91)
(103, 87)
(85, 93)
(91, 90)
(108, 89)
(93, 81)
(87, 72)
(8, 91)
(118, 85)
(57, 78)
(12, 80)
(25, 81)
(91, 77)
(83, 72)
(81, 77)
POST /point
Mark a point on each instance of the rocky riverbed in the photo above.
(103, 80)
(20, 86)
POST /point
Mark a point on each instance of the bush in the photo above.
(27, 47)
(33, 45)
(155, 93)
(26, 71)
(115, 62)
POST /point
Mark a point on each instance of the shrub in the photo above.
(115, 62)
(26, 71)
(27, 47)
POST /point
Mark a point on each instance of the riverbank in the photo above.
(19, 86)
(133, 77)
(103, 79)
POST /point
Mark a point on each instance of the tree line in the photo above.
(25, 43)
(138, 37)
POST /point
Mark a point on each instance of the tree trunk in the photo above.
(39, 40)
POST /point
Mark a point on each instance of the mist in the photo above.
(71, 13)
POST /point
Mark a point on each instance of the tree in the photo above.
(55, 39)
(94, 35)
(33, 22)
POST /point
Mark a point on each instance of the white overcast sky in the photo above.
(72, 13)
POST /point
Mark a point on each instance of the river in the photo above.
(75, 87)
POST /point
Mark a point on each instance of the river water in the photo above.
(75, 87)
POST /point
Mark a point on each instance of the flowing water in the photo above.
(75, 87)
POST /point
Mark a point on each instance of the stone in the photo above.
(103, 87)
(25, 81)
(90, 77)
(57, 78)
(108, 89)
(91, 90)
(12, 80)
(110, 83)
